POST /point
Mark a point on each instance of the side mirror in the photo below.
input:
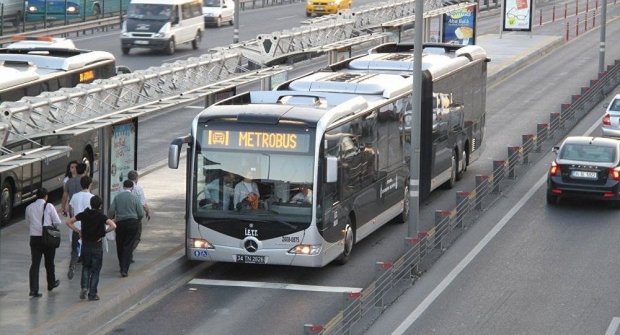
(555, 149)
(176, 20)
(331, 167)
(174, 151)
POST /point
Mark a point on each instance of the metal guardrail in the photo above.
(361, 309)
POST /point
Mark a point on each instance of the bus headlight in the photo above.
(202, 244)
(305, 249)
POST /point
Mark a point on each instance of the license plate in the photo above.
(318, 7)
(583, 174)
(251, 259)
(141, 42)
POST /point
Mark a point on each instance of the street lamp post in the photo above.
(601, 58)
(236, 29)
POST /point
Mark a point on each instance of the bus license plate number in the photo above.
(251, 259)
(584, 174)
(140, 42)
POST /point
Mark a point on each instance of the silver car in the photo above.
(611, 120)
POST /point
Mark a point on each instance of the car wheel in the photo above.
(308, 14)
(349, 242)
(552, 199)
(125, 50)
(6, 203)
(196, 40)
(171, 47)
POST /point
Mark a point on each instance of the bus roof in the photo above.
(54, 59)
(12, 76)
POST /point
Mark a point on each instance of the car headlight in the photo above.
(32, 9)
(310, 3)
(72, 9)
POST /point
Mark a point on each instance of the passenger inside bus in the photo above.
(303, 197)
(214, 190)
(246, 192)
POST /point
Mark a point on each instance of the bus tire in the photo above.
(170, 47)
(450, 183)
(125, 50)
(404, 215)
(349, 242)
(462, 164)
(6, 203)
(196, 40)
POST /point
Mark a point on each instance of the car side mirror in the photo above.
(555, 149)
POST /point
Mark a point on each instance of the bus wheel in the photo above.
(453, 171)
(125, 50)
(349, 241)
(6, 203)
(462, 166)
(171, 47)
(196, 40)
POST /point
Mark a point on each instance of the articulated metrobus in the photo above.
(30, 71)
(298, 175)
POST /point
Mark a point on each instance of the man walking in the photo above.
(92, 231)
(138, 192)
(36, 211)
(72, 186)
(127, 212)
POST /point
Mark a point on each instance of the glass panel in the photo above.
(588, 153)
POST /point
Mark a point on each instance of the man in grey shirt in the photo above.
(126, 210)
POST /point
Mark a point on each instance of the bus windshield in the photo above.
(271, 184)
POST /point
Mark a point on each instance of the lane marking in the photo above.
(413, 316)
(278, 286)
(613, 326)
(286, 17)
(195, 107)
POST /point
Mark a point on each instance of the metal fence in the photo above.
(361, 309)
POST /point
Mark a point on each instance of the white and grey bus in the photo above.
(27, 71)
(298, 175)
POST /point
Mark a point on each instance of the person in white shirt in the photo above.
(303, 197)
(212, 191)
(34, 214)
(245, 188)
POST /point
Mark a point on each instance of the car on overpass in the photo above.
(321, 7)
(585, 167)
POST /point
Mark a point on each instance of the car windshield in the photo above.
(150, 12)
(588, 153)
(211, 3)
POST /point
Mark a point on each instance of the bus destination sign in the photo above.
(258, 140)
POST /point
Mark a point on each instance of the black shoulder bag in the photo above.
(50, 234)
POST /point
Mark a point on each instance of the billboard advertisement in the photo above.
(459, 26)
(517, 15)
(123, 154)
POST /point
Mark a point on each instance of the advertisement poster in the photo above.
(122, 155)
(459, 25)
(434, 33)
(517, 15)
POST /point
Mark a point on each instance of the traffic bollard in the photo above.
(513, 159)
(482, 185)
(541, 135)
(498, 175)
(554, 123)
(442, 221)
(527, 143)
(462, 206)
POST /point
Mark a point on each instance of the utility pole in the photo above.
(236, 29)
(416, 105)
(601, 58)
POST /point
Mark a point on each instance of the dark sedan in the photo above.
(585, 167)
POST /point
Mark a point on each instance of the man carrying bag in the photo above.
(39, 217)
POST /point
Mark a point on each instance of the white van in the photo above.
(162, 25)
(218, 11)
